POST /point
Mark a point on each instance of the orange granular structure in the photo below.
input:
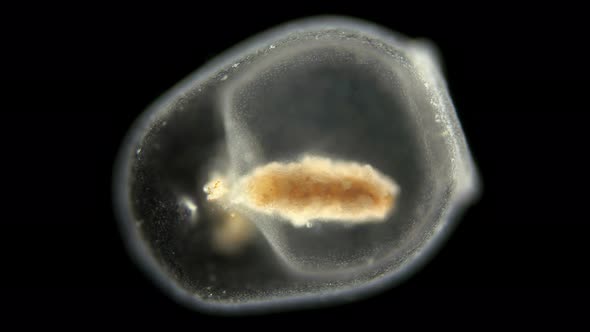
(318, 188)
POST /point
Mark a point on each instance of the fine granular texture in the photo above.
(313, 188)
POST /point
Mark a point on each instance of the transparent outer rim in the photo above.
(424, 57)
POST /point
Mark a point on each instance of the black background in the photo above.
(74, 79)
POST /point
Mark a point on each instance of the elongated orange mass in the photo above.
(319, 188)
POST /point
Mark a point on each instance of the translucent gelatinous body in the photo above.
(320, 160)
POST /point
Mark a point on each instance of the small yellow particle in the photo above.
(215, 189)
(232, 233)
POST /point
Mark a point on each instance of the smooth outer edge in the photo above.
(464, 194)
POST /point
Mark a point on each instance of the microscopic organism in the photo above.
(317, 162)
